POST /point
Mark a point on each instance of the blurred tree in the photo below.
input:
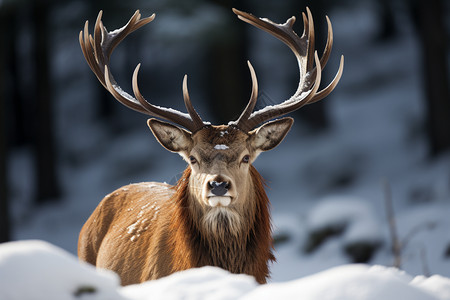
(386, 14)
(20, 133)
(44, 146)
(429, 19)
(5, 33)
(228, 80)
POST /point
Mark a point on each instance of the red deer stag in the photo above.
(218, 212)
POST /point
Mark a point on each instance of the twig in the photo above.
(415, 230)
(423, 258)
(396, 247)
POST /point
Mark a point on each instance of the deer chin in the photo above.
(222, 221)
(219, 201)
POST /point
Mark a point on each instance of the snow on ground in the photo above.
(38, 270)
(338, 213)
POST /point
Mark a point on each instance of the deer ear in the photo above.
(171, 137)
(270, 134)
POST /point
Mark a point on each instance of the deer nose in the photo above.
(219, 188)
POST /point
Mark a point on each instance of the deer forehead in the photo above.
(220, 142)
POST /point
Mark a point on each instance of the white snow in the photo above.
(436, 284)
(346, 282)
(221, 147)
(202, 283)
(297, 97)
(38, 270)
(355, 215)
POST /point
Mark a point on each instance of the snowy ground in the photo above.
(328, 180)
(21, 265)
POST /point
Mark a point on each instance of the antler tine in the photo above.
(309, 28)
(253, 98)
(303, 48)
(86, 47)
(97, 51)
(326, 91)
(190, 108)
(162, 112)
(329, 44)
(310, 37)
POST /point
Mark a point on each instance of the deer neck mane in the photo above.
(230, 246)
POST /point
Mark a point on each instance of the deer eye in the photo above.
(192, 159)
(246, 159)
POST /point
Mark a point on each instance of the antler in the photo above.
(97, 51)
(310, 76)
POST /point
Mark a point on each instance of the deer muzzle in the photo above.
(219, 192)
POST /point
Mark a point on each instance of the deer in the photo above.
(218, 213)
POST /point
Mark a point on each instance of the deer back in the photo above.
(131, 220)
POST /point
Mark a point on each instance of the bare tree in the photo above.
(4, 204)
(429, 19)
(228, 77)
(47, 181)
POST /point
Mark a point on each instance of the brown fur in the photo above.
(158, 242)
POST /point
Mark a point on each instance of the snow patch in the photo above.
(436, 285)
(346, 282)
(39, 270)
(354, 214)
(35, 269)
(221, 147)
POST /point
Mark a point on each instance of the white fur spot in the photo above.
(219, 201)
(221, 147)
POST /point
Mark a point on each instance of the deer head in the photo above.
(220, 158)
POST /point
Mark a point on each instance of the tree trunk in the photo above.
(47, 181)
(4, 205)
(386, 18)
(228, 79)
(429, 17)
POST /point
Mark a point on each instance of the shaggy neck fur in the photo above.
(239, 248)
